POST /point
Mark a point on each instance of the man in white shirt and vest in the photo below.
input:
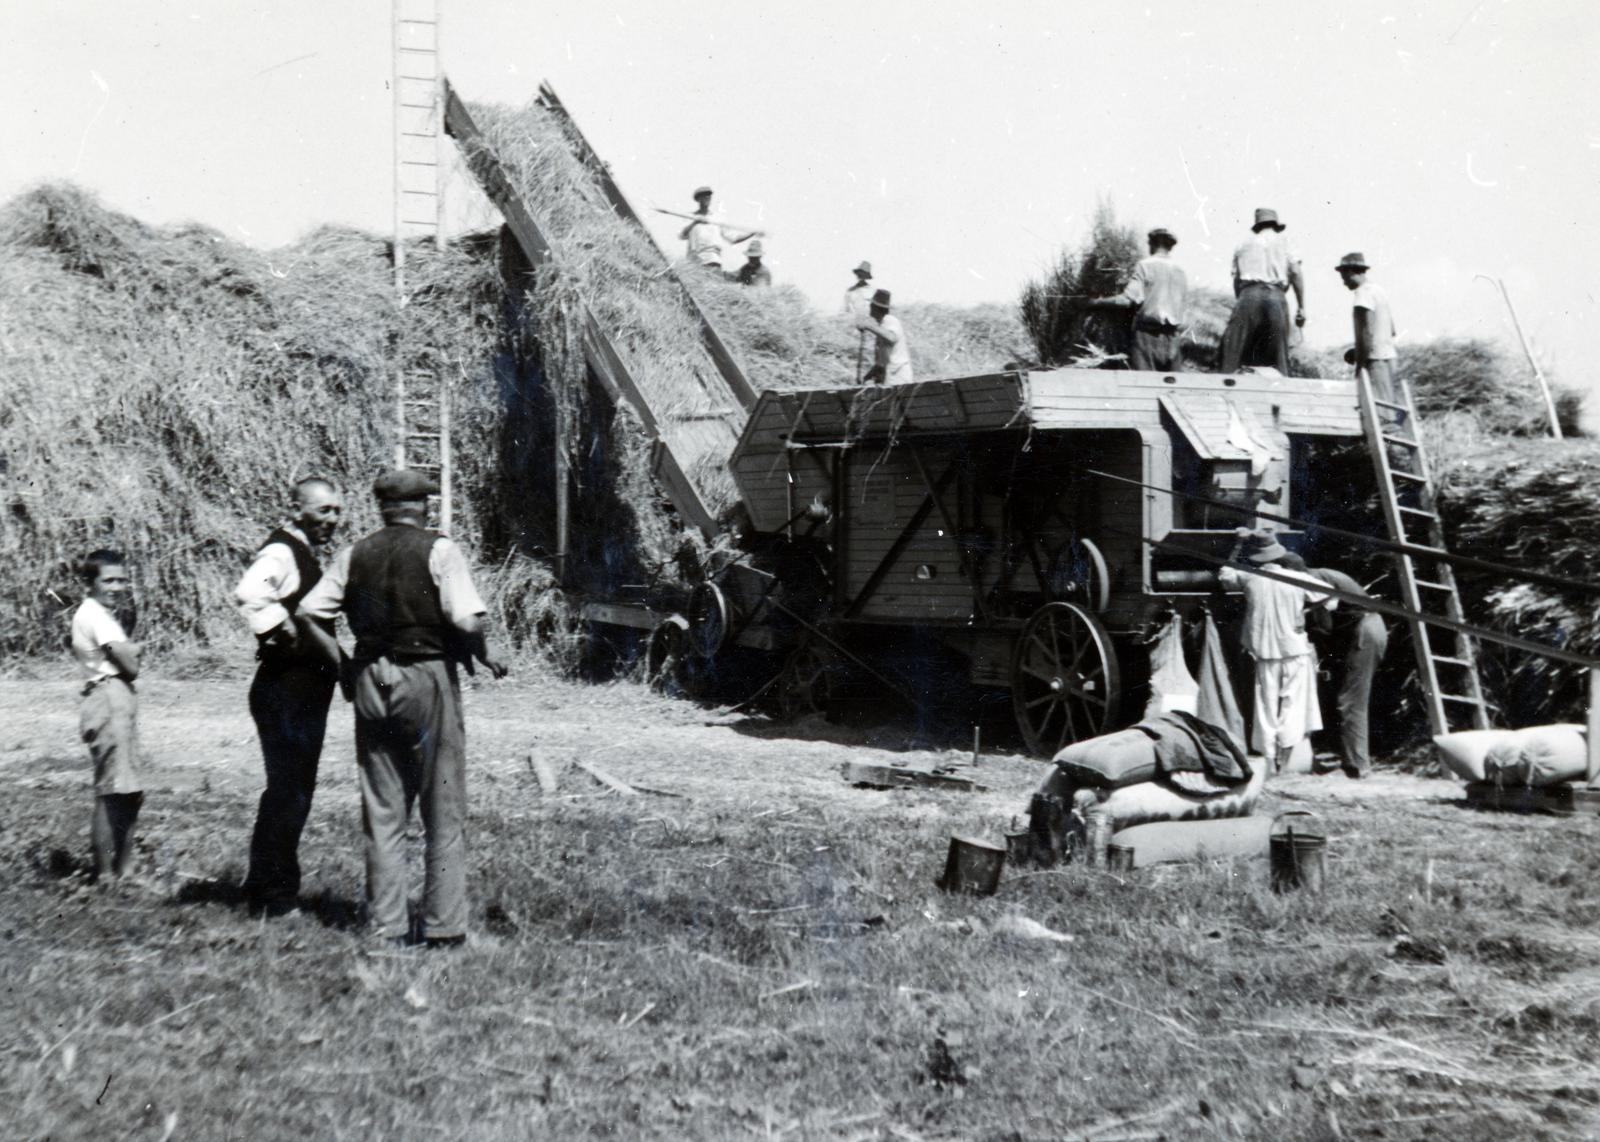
(891, 354)
(858, 298)
(1157, 293)
(408, 596)
(1374, 348)
(1265, 268)
(290, 694)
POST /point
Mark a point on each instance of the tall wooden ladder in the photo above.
(1446, 660)
(422, 398)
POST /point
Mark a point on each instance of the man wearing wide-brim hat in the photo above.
(858, 298)
(1265, 268)
(891, 354)
(1374, 327)
(1157, 293)
(408, 597)
(1274, 635)
(753, 273)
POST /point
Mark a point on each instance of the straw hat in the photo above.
(865, 269)
(1356, 262)
(754, 249)
(1267, 549)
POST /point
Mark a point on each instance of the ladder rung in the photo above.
(419, 221)
(1390, 404)
(1463, 698)
(418, 106)
(414, 20)
(1407, 441)
(1432, 586)
(422, 436)
(417, 163)
(1449, 661)
(1419, 511)
(1412, 476)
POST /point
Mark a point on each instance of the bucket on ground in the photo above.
(1297, 853)
(972, 866)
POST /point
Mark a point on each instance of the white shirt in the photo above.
(270, 578)
(1265, 256)
(705, 241)
(1159, 288)
(1275, 612)
(857, 301)
(458, 598)
(895, 358)
(1372, 297)
(93, 629)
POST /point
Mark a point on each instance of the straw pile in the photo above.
(165, 386)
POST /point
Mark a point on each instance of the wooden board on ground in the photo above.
(874, 776)
(1565, 800)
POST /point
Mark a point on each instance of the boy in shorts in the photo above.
(107, 717)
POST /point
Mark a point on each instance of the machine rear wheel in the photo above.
(1065, 681)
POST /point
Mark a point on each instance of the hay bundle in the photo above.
(164, 386)
(1533, 504)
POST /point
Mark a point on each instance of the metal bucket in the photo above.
(1021, 848)
(1119, 858)
(1297, 860)
(972, 866)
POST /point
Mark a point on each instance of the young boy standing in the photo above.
(107, 717)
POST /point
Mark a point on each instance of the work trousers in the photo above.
(108, 722)
(1286, 707)
(1360, 665)
(1258, 330)
(289, 702)
(410, 747)
(1155, 351)
(1381, 374)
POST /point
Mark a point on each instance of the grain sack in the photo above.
(1539, 756)
(1109, 761)
(1163, 841)
(1463, 753)
(1172, 687)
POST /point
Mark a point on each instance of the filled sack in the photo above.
(1539, 756)
(1109, 761)
(1463, 753)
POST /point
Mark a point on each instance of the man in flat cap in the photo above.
(408, 597)
(1286, 707)
(858, 298)
(753, 273)
(891, 354)
(1157, 293)
(1374, 328)
(705, 235)
(291, 692)
(1265, 268)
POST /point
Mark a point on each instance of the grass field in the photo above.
(764, 955)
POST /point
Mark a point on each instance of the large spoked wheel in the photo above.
(708, 620)
(1065, 682)
(809, 683)
(1078, 575)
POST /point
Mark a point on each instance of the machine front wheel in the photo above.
(1065, 682)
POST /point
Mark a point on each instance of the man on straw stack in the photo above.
(1286, 708)
(891, 355)
(292, 690)
(1156, 293)
(1374, 328)
(704, 237)
(1265, 268)
(857, 299)
(408, 596)
(753, 273)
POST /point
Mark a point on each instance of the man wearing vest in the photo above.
(291, 692)
(408, 596)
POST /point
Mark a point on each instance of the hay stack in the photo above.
(164, 386)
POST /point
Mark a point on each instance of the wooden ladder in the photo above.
(422, 409)
(1446, 660)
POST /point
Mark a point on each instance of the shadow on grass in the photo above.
(330, 909)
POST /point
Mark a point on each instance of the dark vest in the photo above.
(391, 600)
(310, 571)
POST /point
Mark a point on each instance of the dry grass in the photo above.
(766, 956)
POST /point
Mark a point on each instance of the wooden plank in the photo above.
(872, 776)
(1564, 800)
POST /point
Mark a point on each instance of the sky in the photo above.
(957, 146)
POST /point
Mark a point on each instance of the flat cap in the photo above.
(699, 190)
(404, 484)
(1162, 234)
